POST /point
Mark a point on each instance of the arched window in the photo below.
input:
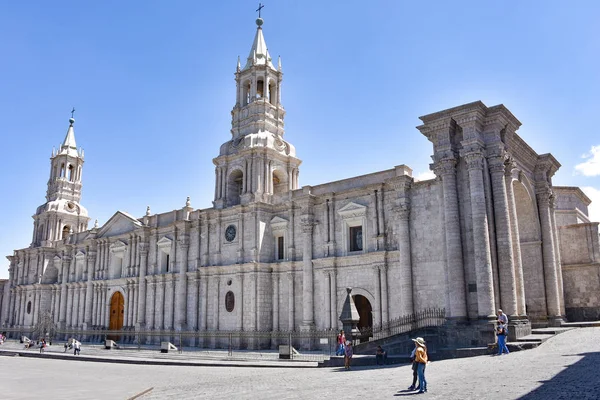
(70, 173)
(260, 89)
(29, 307)
(62, 170)
(65, 232)
(272, 93)
(235, 187)
(280, 182)
(246, 93)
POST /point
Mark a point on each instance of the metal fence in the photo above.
(429, 317)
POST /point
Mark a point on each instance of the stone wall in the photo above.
(580, 257)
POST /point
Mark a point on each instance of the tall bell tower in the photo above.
(257, 164)
(62, 214)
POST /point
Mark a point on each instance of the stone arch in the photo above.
(531, 249)
(246, 92)
(341, 294)
(280, 181)
(235, 184)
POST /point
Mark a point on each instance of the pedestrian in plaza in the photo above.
(42, 345)
(502, 333)
(414, 369)
(421, 359)
(348, 354)
(76, 348)
(380, 356)
(502, 318)
(341, 341)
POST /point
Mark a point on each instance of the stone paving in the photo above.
(564, 367)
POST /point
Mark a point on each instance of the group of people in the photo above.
(344, 348)
(73, 344)
(502, 332)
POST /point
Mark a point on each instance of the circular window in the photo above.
(229, 282)
(29, 308)
(229, 301)
(230, 233)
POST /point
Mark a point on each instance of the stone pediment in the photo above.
(80, 254)
(278, 223)
(119, 245)
(164, 242)
(118, 224)
(352, 210)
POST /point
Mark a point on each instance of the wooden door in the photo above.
(117, 312)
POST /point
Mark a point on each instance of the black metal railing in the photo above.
(429, 317)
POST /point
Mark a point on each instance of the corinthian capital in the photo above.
(445, 166)
(402, 211)
(307, 222)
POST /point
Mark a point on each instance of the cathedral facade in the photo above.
(273, 256)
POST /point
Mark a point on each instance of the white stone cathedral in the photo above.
(271, 255)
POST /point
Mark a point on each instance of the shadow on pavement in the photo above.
(577, 381)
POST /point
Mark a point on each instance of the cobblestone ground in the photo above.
(565, 367)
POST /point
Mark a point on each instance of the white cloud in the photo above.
(590, 167)
(423, 176)
(594, 208)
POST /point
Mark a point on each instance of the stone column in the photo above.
(561, 294)
(383, 276)
(481, 241)
(63, 291)
(550, 274)
(504, 246)
(377, 318)
(103, 306)
(151, 298)
(160, 303)
(445, 168)
(181, 308)
(141, 314)
(70, 304)
(241, 302)
(193, 314)
(275, 278)
(91, 260)
(514, 226)
(127, 306)
(405, 280)
(333, 314)
(291, 322)
(307, 274)
(82, 301)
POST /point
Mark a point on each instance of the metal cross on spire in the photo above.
(72, 112)
(260, 7)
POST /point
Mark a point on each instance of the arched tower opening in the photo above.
(234, 187)
(280, 182)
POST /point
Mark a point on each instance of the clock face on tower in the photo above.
(230, 233)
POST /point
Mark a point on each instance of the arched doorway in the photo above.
(117, 312)
(365, 312)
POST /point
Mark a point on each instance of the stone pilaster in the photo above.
(504, 245)
(91, 260)
(473, 155)
(308, 320)
(445, 169)
(181, 302)
(561, 294)
(141, 314)
(63, 291)
(406, 305)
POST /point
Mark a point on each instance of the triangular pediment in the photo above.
(164, 242)
(278, 223)
(80, 254)
(118, 245)
(352, 210)
(118, 224)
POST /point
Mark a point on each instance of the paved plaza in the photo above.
(564, 367)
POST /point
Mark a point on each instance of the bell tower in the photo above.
(257, 164)
(62, 214)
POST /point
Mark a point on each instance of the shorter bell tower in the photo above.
(62, 214)
(257, 164)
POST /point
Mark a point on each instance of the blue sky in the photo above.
(153, 86)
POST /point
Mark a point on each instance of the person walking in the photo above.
(502, 318)
(421, 359)
(76, 348)
(414, 370)
(502, 333)
(42, 345)
(341, 341)
(348, 354)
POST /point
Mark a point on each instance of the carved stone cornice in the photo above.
(402, 211)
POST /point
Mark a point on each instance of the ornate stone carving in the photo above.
(184, 241)
(402, 211)
(445, 166)
(307, 222)
(474, 160)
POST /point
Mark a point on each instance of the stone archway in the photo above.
(365, 311)
(531, 251)
(117, 313)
